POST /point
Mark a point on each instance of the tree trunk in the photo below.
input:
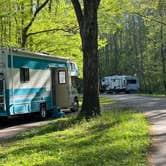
(116, 53)
(163, 59)
(87, 20)
(89, 33)
(163, 54)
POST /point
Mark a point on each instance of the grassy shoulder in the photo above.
(119, 137)
(153, 95)
(103, 100)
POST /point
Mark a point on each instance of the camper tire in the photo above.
(127, 92)
(43, 111)
(3, 120)
(75, 107)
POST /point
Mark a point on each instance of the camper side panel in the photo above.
(26, 94)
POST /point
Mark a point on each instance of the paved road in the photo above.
(155, 110)
(14, 126)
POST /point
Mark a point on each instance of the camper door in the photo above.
(60, 87)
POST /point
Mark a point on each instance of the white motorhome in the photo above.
(34, 82)
(120, 83)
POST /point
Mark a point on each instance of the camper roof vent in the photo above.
(46, 53)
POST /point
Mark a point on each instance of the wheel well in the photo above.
(43, 105)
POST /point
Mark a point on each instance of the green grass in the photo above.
(106, 100)
(103, 101)
(116, 138)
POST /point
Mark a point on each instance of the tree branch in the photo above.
(72, 30)
(78, 11)
(25, 30)
(151, 19)
(36, 12)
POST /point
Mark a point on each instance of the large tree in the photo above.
(87, 19)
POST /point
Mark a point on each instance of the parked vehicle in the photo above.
(34, 82)
(120, 83)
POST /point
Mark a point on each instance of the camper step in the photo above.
(65, 110)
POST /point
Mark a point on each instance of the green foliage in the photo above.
(111, 14)
(116, 138)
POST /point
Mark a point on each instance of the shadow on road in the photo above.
(4, 123)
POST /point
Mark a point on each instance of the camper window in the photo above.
(24, 74)
(62, 77)
(1, 85)
(72, 66)
(131, 81)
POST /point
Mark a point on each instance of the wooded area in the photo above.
(137, 45)
(132, 36)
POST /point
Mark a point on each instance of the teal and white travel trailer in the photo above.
(34, 82)
(120, 83)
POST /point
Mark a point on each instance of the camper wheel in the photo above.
(127, 91)
(43, 111)
(3, 120)
(75, 106)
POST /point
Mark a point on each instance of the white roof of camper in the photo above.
(35, 54)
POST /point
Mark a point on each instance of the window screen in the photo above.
(24, 74)
(62, 77)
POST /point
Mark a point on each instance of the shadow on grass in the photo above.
(57, 125)
(98, 142)
(96, 146)
(95, 149)
(95, 131)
